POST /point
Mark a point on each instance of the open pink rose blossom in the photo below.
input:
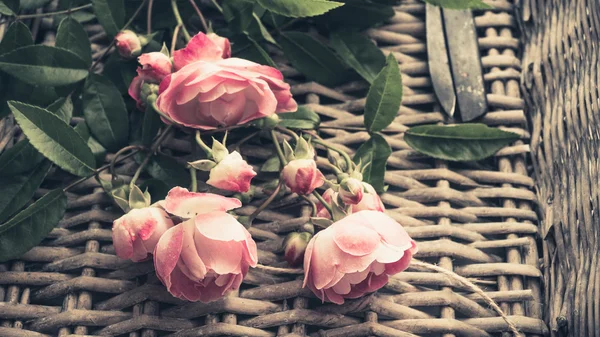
(207, 95)
(202, 47)
(136, 233)
(155, 67)
(302, 176)
(204, 257)
(356, 255)
(370, 201)
(232, 174)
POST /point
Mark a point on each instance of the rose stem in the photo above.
(174, 38)
(102, 168)
(112, 43)
(153, 149)
(149, 17)
(120, 152)
(186, 34)
(312, 204)
(214, 2)
(203, 145)
(155, 107)
(194, 186)
(42, 15)
(322, 201)
(278, 149)
(287, 131)
(199, 12)
(331, 147)
(264, 204)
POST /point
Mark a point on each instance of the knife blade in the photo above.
(437, 55)
(465, 63)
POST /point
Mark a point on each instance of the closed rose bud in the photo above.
(295, 246)
(302, 176)
(351, 191)
(128, 44)
(154, 68)
(232, 174)
(136, 233)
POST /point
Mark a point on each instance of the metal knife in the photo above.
(437, 55)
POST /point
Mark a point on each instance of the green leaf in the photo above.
(28, 228)
(53, 138)
(464, 142)
(72, 36)
(312, 58)
(356, 15)
(9, 7)
(167, 169)
(238, 14)
(17, 35)
(272, 164)
(263, 30)
(460, 4)
(33, 4)
(105, 112)
(44, 65)
(384, 97)
(98, 150)
(18, 190)
(83, 131)
(359, 53)
(376, 152)
(110, 14)
(20, 158)
(150, 125)
(303, 118)
(299, 9)
(245, 47)
(63, 108)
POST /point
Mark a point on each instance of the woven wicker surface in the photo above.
(476, 219)
(561, 83)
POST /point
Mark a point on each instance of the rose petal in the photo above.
(168, 250)
(186, 204)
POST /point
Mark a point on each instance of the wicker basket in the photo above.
(476, 219)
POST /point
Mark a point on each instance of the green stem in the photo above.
(177, 15)
(334, 168)
(43, 15)
(194, 186)
(287, 132)
(312, 204)
(153, 149)
(219, 8)
(331, 147)
(162, 114)
(199, 12)
(119, 153)
(278, 149)
(323, 202)
(202, 145)
(264, 204)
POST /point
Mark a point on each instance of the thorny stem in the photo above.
(112, 43)
(264, 204)
(199, 12)
(323, 202)
(177, 15)
(278, 149)
(43, 15)
(153, 149)
(149, 17)
(331, 147)
(194, 186)
(97, 171)
(203, 145)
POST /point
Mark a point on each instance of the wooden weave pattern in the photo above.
(475, 219)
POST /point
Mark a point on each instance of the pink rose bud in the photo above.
(370, 201)
(204, 257)
(155, 67)
(128, 44)
(185, 204)
(136, 233)
(202, 47)
(302, 176)
(207, 95)
(351, 191)
(232, 174)
(356, 255)
(295, 246)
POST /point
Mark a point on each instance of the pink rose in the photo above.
(136, 233)
(351, 191)
(128, 44)
(204, 257)
(185, 204)
(355, 256)
(232, 173)
(202, 47)
(295, 246)
(369, 201)
(302, 176)
(207, 95)
(155, 66)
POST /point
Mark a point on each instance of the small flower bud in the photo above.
(302, 176)
(295, 246)
(351, 191)
(128, 44)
